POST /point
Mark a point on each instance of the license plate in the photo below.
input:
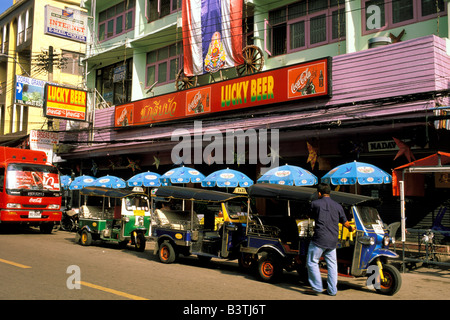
(34, 214)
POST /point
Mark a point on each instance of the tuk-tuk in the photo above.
(205, 223)
(276, 242)
(118, 215)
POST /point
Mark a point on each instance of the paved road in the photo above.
(45, 267)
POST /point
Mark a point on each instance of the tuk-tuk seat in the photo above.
(211, 235)
(173, 219)
(88, 212)
(161, 217)
(287, 248)
(85, 211)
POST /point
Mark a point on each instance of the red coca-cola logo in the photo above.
(301, 81)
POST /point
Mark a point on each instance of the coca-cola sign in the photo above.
(300, 81)
(308, 80)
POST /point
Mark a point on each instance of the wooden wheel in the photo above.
(184, 82)
(253, 60)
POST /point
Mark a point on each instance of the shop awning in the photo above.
(411, 173)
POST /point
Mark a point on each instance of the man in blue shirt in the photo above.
(327, 214)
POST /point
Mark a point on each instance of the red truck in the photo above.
(30, 191)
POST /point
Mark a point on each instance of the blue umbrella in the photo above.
(356, 172)
(289, 175)
(110, 182)
(146, 179)
(181, 175)
(65, 181)
(227, 178)
(81, 182)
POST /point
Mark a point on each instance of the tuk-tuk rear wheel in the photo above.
(166, 252)
(392, 280)
(269, 268)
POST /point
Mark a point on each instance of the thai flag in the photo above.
(212, 35)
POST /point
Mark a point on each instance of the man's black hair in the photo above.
(324, 188)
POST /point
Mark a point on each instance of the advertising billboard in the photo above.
(66, 23)
(43, 141)
(65, 103)
(29, 91)
(305, 80)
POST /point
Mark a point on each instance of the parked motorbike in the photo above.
(69, 220)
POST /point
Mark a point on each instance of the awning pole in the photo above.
(403, 221)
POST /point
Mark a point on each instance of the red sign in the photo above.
(66, 103)
(306, 80)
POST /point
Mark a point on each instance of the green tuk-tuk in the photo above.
(117, 215)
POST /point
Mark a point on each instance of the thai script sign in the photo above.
(306, 80)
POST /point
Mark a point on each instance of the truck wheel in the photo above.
(140, 242)
(166, 252)
(269, 268)
(86, 238)
(392, 280)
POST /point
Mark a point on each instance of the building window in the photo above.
(304, 24)
(385, 14)
(72, 63)
(163, 64)
(114, 82)
(5, 45)
(29, 30)
(25, 27)
(116, 20)
(156, 9)
(21, 29)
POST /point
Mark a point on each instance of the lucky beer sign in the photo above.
(66, 103)
(305, 80)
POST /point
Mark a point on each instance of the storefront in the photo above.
(350, 107)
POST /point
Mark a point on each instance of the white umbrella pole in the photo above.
(289, 208)
(403, 220)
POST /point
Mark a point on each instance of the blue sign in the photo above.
(29, 91)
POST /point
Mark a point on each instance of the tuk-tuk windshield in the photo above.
(236, 208)
(136, 202)
(369, 216)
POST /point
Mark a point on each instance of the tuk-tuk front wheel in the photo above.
(86, 238)
(166, 252)
(139, 242)
(269, 267)
(392, 280)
